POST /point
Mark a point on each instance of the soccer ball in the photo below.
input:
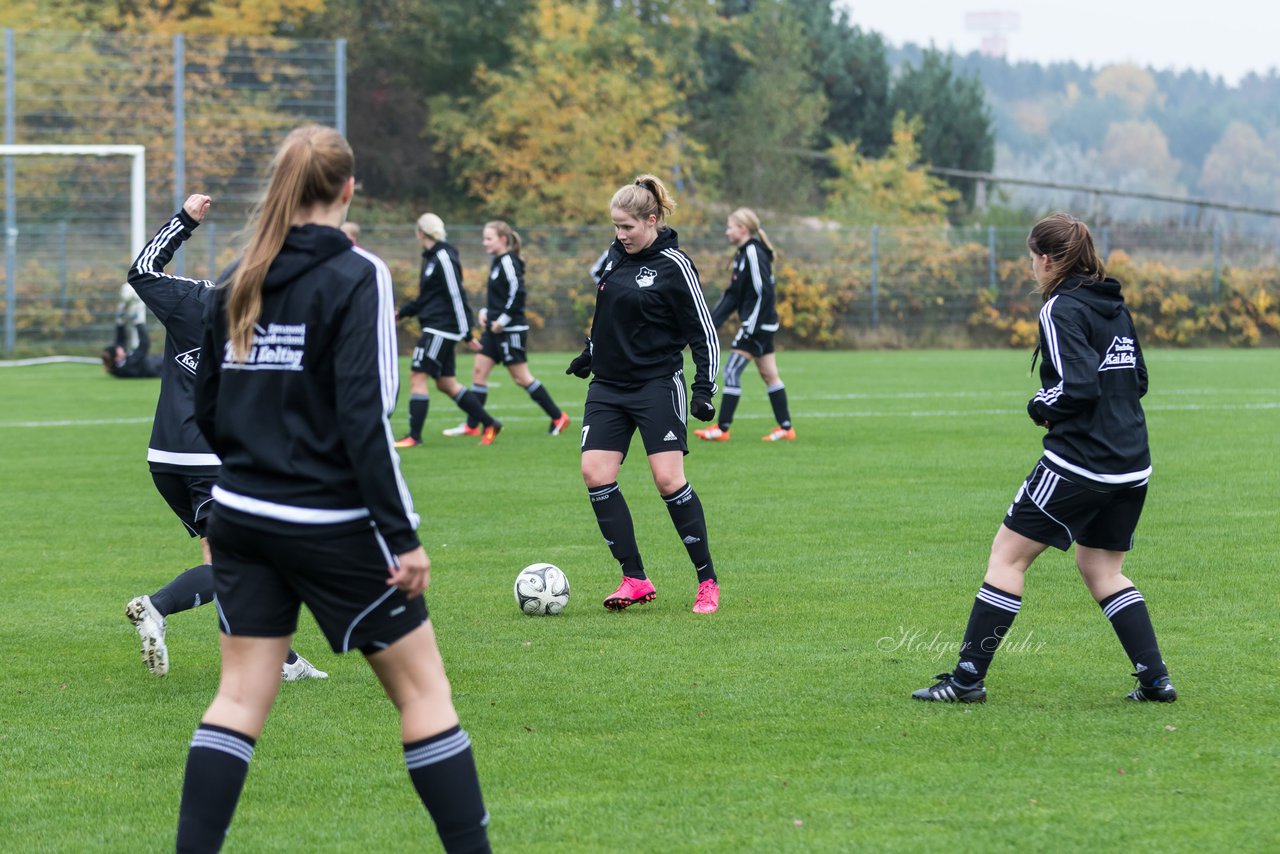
(542, 588)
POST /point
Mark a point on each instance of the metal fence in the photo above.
(210, 112)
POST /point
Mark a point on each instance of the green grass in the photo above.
(782, 723)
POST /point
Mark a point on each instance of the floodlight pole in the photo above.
(10, 201)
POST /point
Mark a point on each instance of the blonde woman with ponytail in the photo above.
(751, 295)
(649, 307)
(295, 390)
(1090, 484)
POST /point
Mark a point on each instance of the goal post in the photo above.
(137, 210)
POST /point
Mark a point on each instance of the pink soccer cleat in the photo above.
(632, 591)
(708, 599)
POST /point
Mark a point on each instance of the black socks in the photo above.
(1127, 611)
(614, 518)
(443, 771)
(989, 621)
(691, 525)
(778, 400)
(191, 589)
(418, 404)
(216, 767)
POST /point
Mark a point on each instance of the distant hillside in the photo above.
(1143, 129)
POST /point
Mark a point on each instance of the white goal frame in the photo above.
(137, 208)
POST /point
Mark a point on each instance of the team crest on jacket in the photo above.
(646, 277)
(1120, 355)
(189, 360)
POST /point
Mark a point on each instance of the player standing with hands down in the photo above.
(750, 293)
(297, 382)
(442, 309)
(1091, 482)
(649, 306)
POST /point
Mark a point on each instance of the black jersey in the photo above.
(303, 424)
(441, 306)
(177, 445)
(750, 290)
(505, 303)
(649, 306)
(1093, 376)
(138, 363)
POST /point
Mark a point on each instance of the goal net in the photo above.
(74, 219)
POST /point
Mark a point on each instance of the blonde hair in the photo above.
(747, 218)
(1069, 246)
(432, 226)
(502, 229)
(310, 167)
(645, 197)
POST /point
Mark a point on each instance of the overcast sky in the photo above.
(1229, 38)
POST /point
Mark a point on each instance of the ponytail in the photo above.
(504, 229)
(645, 197)
(747, 218)
(1069, 246)
(309, 168)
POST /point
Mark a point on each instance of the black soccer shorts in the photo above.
(656, 408)
(759, 343)
(1053, 510)
(262, 572)
(435, 356)
(188, 497)
(509, 348)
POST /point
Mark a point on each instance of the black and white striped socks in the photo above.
(989, 621)
(443, 771)
(1127, 611)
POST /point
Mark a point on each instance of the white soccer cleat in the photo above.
(150, 625)
(462, 430)
(301, 669)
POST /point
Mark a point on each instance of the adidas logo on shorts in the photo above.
(670, 437)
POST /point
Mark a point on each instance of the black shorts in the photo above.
(759, 343)
(188, 497)
(509, 348)
(657, 408)
(434, 355)
(1055, 511)
(261, 576)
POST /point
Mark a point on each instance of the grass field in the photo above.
(848, 562)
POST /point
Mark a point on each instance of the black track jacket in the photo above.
(505, 295)
(177, 445)
(303, 425)
(1093, 376)
(648, 307)
(441, 306)
(750, 290)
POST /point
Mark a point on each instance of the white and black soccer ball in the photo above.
(542, 588)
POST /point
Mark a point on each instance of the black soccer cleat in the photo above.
(1161, 692)
(948, 690)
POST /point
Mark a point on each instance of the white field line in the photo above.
(801, 416)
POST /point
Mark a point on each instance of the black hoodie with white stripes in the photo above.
(649, 306)
(303, 424)
(750, 290)
(177, 445)
(1093, 377)
(505, 296)
(441, 306)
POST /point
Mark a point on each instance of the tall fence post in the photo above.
(180, 132)
(211, 229)
(991, 256)
(340, 86)
(875, 277)
(1217, 261)
(62, 261)
(10, 204)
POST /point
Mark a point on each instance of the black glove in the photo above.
(702, 408)
(580, 366)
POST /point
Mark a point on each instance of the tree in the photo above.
(1130, 85)
(582, 108)
(956, 129)
(892, 190)
(1243, 167)
(767, 119)
(193, 17)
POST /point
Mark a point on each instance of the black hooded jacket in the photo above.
(1093, 376)
(649, 306)
(303, 424)
(750, 290)
(177, 445)
(441, 306)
